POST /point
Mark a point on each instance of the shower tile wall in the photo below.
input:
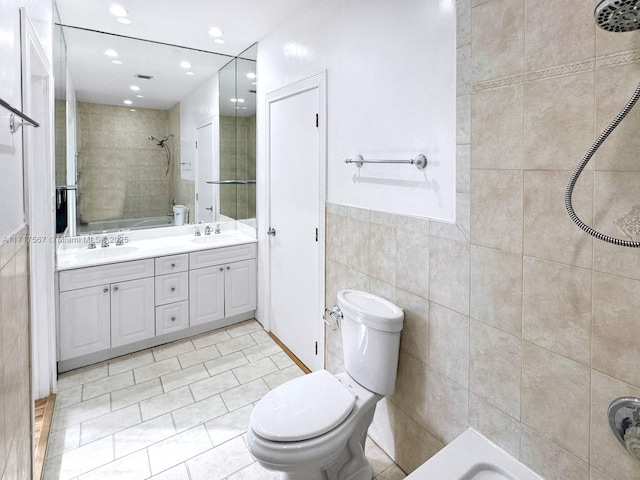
(183, 190)
(15, 394)
(61, 142)
(517, 323)
(238, 161)
(122, 173)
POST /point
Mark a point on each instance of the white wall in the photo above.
(199, 105)
(11, 179)
(391, 95)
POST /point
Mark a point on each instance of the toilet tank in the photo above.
(371, 329)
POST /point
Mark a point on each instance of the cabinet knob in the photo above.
(173, 289)
(105, 290)
(173, 265)
(228, 267)
(222, 269)
(115, 289)
(173, 319)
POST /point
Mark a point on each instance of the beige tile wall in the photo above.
(122, 173)
(183, 190)
(517, 323)
(15, 379)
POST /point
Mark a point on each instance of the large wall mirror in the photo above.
(127, 118)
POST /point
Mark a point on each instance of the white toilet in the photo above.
(314, 427)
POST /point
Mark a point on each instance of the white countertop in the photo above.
(74, 253)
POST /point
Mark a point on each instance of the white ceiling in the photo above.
(185, 23)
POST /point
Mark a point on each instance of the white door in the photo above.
(206, 204)
(132, 311)
(294, 206)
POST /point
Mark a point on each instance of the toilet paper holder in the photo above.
(624, 420)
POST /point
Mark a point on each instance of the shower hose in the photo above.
(574, 178)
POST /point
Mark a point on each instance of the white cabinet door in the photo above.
(84, 321)
(132, 311)
(206, 295)
(240, 287)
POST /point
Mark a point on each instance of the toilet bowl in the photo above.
(314, 427)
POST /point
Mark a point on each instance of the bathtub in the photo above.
(149, 222)
(471, 456)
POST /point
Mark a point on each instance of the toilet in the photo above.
(314, 427)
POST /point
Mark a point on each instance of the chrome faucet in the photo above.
(104, 242)
(217, 229)
(207, 230)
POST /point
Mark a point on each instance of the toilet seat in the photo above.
(303, 408)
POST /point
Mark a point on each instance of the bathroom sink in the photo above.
(103, 253)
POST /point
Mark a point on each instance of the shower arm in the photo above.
(574, 177)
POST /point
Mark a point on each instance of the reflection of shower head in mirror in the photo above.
(162, 143)
(618, 15)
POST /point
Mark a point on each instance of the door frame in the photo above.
(38, 148)
(318, 81)
(215, 156)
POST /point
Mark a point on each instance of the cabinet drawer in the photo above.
(218, 256)
(172, 264)
(172, 288)
(105, 274)
(172, 317)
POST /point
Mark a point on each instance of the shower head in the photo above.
(618, 15)
(160, 143)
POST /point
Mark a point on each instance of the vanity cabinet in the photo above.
(132, 311)
(110, 310)
(105, 306)
(222, 283)
(85, 325)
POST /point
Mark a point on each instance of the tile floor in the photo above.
(174, 412)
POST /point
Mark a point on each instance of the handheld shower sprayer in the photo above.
(618, 15)
(162, 143)
(613, 16)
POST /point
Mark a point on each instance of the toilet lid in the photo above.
(302, 408)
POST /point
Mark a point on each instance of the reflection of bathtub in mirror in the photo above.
(112, 225)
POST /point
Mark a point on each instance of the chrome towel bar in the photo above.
(13, 125)
(420, 161)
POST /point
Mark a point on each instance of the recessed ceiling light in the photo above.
(189, 73)
(185, 64)
(118, 11)
(135, 88)
(219, 41)
(215, 32)
(111, 53)
(244, 108)
(251, 75)
(132, 109)
(241, 100)
(254, 83)
(117, 62)
(139, 96)
(234, 100)
(127, 102)
(124, 21)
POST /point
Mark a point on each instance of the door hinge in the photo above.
(316, 348)
(316, 119)
(316, 234)
(196, 144)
